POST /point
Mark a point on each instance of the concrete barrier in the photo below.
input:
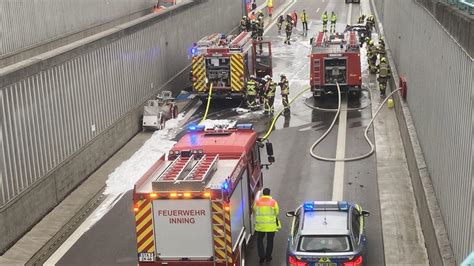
(434, 230)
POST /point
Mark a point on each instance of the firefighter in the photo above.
(285, 91)
(243, 24)
(270, 89)
(280, 21)
(372, 56)
(361, 19)
(254, 27)
(324, 17)
(260, 15)
(251, 92)
(288, 30)
(381, 48)
(294, 16)
(383, 69)
(304, 21)
(333, 21)
(370, 22)
(270, 8)
(266, 224)
(261, 84)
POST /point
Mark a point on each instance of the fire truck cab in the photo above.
(194, 207)
(335, 59)
(227, 62)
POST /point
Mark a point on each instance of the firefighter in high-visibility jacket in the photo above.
(285, 91)
(383, 69)
(324, 18)
(270, 90)
(304, 21)
(266, 224)
(251, 92)
(372, 53)
(333, 21)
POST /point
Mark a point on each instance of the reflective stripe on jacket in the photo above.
(285, 88)
(266, 215)
(271, 89)
(251, 87)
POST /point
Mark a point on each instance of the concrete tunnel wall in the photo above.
(66, 112)
(27, 23)
(440, 75)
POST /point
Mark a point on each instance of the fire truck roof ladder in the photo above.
(239, 41)
(187, 173)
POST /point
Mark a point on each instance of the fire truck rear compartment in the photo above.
(218, 71)
(335, 71)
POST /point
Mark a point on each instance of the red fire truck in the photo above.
(195, 206)
(335, 58)
(227, 62)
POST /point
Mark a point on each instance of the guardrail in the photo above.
(463, 5)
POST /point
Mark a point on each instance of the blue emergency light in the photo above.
(343, 205)
(225, 185)
(196, 127)
(308, 206)
(193, 51)
(244, 126)
(326, 205)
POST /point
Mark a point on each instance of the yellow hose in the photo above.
(275, 118)
(207, 105)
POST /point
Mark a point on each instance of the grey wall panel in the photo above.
(440, 78)
(26, 23)
(53, 113)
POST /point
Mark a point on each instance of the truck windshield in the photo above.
(312, 243)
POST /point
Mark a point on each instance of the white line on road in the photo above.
(338, 184)
(317, 10)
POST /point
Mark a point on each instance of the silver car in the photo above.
(327, 233)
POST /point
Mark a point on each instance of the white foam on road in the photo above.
(124, 177)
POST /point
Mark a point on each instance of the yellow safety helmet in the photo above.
(381, 38)
(371, 42)
(383, 60)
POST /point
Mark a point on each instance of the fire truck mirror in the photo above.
(311, 41)
(269, 147)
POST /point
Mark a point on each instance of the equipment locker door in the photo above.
(263, 59)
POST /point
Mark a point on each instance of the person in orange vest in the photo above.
(266, 224)
(270, 7)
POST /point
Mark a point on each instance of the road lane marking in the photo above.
(338, 184)
(317, 10)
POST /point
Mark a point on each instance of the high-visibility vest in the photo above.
(271, 89)
(251, 87)
(269, 3)
(266, 215)
(304, 17)
(383, 70)
(325, 17)
(285, 88)
(333, 18)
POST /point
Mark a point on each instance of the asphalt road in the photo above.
(294, 178)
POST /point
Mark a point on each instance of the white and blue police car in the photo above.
(327, 233)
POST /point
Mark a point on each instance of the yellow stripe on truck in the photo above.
(237, 72)
(199, 73)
